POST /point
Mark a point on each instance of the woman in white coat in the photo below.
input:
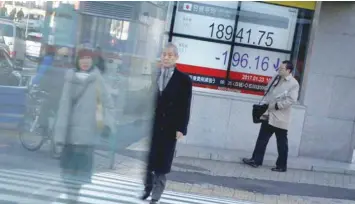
(85, 112)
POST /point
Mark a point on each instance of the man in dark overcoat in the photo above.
(171, 117)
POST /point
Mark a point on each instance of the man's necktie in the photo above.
(165, 78)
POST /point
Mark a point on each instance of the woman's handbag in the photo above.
(258, 109)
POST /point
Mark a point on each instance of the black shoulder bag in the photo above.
(258, 109)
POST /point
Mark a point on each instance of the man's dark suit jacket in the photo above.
(172, 114)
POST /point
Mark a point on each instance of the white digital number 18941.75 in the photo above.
(225, 32)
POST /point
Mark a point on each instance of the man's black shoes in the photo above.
(145, 195)
(250, 162)
(279, 169)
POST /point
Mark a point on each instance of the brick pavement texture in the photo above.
(131, 167)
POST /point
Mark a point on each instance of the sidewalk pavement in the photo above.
(213, 154)
(300, 163)
(133, 166)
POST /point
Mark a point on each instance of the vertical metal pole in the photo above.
(28, 17)
(231, 51)
(13, 7)
(46, 27)
(171, 31)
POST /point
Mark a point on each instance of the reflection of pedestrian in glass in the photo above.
(13, 13)
(45, 63)
(3, 11)
(85, 111)
(20, 14)
(45, 80)
(172, 113)
(50, 78)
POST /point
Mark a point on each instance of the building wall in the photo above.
(329, 130)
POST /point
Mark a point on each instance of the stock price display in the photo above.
(221, 31)
(225, 32)
(248, 61)
(200, 53)
(254, 61)
(242, 60)
(194, 19)
(259, 24)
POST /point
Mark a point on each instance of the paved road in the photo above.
(187, 172)
(30, 64)
(16, 160)
(10, 145)
(265, 187)
(20, 186)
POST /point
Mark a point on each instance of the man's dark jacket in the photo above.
(172, 113)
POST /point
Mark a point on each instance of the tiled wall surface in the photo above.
(225, 122)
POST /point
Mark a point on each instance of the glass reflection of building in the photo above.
(124, 31)
(130, 36)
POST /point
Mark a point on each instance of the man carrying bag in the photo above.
(274, 116)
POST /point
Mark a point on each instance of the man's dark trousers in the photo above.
(155, 183)
(266, 131)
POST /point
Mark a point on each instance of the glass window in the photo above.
(34, 38)
(34, 17)
(119, 29)
(110, 34)
(35, 111)
(125, 28)
(6, 30)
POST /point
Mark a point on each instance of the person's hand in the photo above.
(179, 135)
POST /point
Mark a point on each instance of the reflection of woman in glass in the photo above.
(85, 111)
